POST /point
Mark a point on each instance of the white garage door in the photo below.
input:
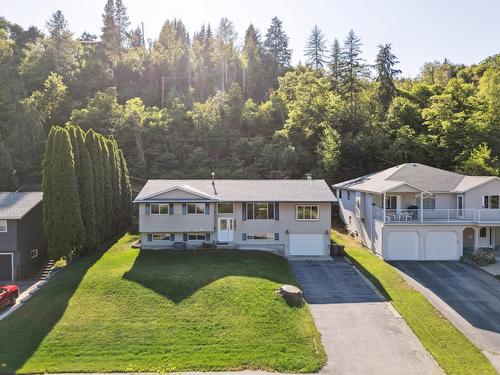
(441, 246)
(402, 246)
(307, 244)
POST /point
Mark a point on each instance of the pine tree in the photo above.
(276, 46)
(335, 66)
(252, 65)
(122, 22)
(386, 74)
(59, 33)
(110, 36)
(315, 51)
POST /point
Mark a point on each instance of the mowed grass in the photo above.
(132, 310)
(451, 349)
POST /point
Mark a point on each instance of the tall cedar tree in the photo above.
(277, 55)
(386, 74)
(59, 32)
(108, 187)
(110, 37)
(315, 51)
(335, 66)
(125, 192)
(115, 183)
(122, 22)
(63, 205)
(253, 85)
(94, 148)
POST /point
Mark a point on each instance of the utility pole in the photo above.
(162, 91)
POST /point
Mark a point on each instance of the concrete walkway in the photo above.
(361, 333)
(467, 296)
(26, 289)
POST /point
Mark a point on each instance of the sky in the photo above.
(464, 31)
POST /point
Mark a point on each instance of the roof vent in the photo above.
(308, 176)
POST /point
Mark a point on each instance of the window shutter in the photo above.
(243, 212)
(184, 208)
(207, 208)
(172, 236)
(171, 208)
(185, 237)
(243, 236)
(150, 237)
(277, 236)
(208, 237)
(276, 211)
(148, 208)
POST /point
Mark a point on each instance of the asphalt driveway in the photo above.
(467, 296)
(361, 333)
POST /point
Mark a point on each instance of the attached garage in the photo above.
(307, 244)
(6, 267)
(402, 245)
(441, 245)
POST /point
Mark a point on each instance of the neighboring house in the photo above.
(291, 217)
(22, 241)
(416, 212)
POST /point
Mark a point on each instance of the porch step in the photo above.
(44, 273)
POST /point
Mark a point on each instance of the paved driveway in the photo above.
(361, 333)
(467, 296)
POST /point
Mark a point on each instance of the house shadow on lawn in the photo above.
(178, 274)
(22, 332)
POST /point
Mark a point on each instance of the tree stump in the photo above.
(292, 295)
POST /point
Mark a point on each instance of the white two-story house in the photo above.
(416, 212)
(291, 217)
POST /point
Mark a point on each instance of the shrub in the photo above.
(483, 256)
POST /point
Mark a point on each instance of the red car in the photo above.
(8, 295)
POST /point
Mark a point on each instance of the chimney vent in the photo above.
(309, 177)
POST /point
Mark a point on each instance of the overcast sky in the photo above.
(420, 30)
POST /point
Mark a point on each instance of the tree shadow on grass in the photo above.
(22, 332)
(178, 274)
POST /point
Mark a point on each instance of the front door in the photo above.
(225, 231)
(460, 206)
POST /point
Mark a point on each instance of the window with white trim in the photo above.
(161, 237)
(197, 237)
(307, 212)
(391, 202)
(196, 208)
(482, 232)
(491, 201)
(3, 226)
(160, 209)
(429, 202)
(260, 236)
(260, 211)
(34, 253)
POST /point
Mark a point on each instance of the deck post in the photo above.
(422, 207)
(476, 238)
(383, 205)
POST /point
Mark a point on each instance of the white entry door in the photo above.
(225, 230)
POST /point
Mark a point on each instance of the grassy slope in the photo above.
(162, 311)
(451, 349)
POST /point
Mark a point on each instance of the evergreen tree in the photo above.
(386, 74)
(94, 148)
(8, 180)
(315, 51)
(110, 37)
(125, 192)
(252, 65)
(59, 33)
(63, 205)
(277, 55)
(335, 66)
(122, 22)
(108, 186)
(48, 184)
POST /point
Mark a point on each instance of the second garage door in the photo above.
(441, 246)
(402, 245)
(307, 244)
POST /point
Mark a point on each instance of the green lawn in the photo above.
(162, 311)
(451, 349)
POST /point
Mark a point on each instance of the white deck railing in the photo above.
(426, 216)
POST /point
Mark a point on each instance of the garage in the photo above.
(307, 244)
(402, 245)
(6, 267)
(441, 245)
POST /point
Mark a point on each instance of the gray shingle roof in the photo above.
(420, 176)
(245, 190)
(16, 205)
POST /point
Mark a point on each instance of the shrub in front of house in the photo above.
(483, 256)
